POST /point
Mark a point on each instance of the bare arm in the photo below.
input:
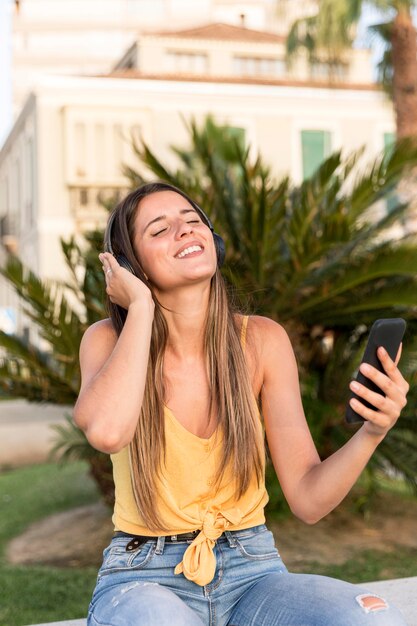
(311, 487)
(113, 371)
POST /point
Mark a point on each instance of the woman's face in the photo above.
(173, 244)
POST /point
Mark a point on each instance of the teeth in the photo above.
(188, 251)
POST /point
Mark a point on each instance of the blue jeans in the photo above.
(251, 587)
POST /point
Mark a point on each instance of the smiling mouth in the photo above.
(190, 252)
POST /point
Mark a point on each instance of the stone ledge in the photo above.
(401, 591)
(70, 622)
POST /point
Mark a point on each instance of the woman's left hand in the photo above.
(389, 407)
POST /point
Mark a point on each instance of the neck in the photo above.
(186, 319)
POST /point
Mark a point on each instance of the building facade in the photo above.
(72, 37)
(66, 151)
(67, 148)
(221, 50)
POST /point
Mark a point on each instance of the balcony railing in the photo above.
(89, 204)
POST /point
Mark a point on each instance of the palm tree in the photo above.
(318, 258)
(328, 36)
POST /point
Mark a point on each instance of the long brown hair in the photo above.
(229, 381)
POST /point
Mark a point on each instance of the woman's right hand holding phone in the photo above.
(123, 287)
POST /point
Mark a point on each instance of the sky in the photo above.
(5, 69)
(369, 16)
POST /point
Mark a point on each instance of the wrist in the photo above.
(142, 305)
(372, 433)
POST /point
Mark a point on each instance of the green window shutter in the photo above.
(315, 146)
(389, 140)
(239, 134)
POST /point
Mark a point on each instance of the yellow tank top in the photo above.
(186, 498)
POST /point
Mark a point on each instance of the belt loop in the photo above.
(160, 545)
(230, 539)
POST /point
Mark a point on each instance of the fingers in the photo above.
(390, 405)
(109, 264)
(112, 262)
(395, 387)
(108, 261)
(392, 378)
(379, 418)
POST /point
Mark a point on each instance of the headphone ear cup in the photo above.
(123, 262)
(220, 249)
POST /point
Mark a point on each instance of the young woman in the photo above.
(179, 389)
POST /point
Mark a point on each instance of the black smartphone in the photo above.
(387, 333)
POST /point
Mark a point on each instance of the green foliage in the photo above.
(27, 495)
(318, 257)
(329, 34)
(382, 32)
(326, 35)
(60, 312)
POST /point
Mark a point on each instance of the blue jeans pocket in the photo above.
(117, 559)
(258, 546)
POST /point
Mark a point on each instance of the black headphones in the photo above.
(122, 260)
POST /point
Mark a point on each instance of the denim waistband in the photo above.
(225, 535)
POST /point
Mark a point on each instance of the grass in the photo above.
(42, 594)
(368, 565)
(34, 594)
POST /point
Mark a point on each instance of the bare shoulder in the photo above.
(261, 330)
(272, 343)
(101, 331)
(265, 330)
(96, 346)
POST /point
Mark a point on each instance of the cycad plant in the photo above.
(325, 259)
(320, 258)
(49, 371)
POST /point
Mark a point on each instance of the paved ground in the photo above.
(25, 431)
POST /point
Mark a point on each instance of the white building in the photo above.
(89, 36)
(67, 146)
(223, 50)
(73, 135)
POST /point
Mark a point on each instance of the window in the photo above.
(187, 62)
(258, 66)
(100, 150)
(148, 8)
(83, 199)
(29, 182)
(81, 150)
(325, 71)
(315, 146)
(117, 151)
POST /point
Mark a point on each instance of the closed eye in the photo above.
(159, 232)
(164, 229)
